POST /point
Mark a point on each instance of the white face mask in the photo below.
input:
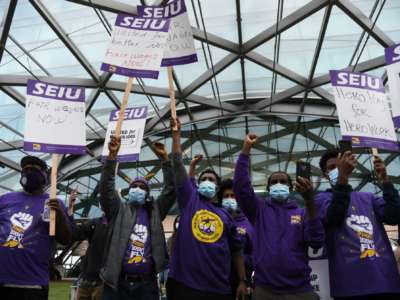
(279, 192)
(333, 176)
(229, 204)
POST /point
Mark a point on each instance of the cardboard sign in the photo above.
(363, 110)
(54, 118)
(319, 272)
(131, 133)
(136, 47)
(180, 44)
(392, 56)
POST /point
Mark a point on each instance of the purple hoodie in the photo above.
(361, 260)
(282, 235)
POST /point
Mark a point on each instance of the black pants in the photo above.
(8, 293)
(372, 297)
(145, 290)
(179, 291)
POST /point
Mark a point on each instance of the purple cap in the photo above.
(142, 180)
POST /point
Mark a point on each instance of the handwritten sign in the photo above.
(180, 44)
(131, 133)
(136, 47)
(363, 110)
(319, 277)
(54, 118)
(392, 56)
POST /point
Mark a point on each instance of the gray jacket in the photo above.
(122, 217)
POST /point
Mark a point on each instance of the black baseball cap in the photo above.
(33, 160)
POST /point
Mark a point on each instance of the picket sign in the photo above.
(171, 91)
(53, 192)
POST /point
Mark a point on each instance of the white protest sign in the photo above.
(136, 47)
(54, 118)
(180, 44)
(131, 133)
(392, 56)
(319, 277)
(363, 110)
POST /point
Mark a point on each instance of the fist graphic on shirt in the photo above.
(21, 220)
(360, 224)
(139, 233)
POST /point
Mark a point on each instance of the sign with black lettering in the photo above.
(363, 110)
(392, 55)
(54, 118)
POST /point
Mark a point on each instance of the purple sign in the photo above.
(180, 45)
(142, 23)
(130, 113)
(369, 142)
(356, 80)
(170, 10)
(53, 148)
(56, 92)
(392, 54)
(129, 72)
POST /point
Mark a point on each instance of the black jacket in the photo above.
(122, 217)
(95, 231)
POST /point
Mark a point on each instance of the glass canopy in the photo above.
(263, 68)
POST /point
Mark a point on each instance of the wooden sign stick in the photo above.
(171, 91)
(53, 192)
(128, 89)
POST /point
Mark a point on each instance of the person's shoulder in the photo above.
(11, 195)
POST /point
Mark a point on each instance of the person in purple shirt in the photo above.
(206, 241)
(282, 234)
(227, 199)
(135, 251)
(25, 244)
(361, 260)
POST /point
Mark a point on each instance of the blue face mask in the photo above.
(229, 204)
(137, 196)
(207, 189)
(279, 192)
(333, 176)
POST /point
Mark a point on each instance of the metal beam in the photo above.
(108, 5)
(287, 22)
(13, 93)
(358, 16)
(62, 35)
(6, 25)
(10, 163)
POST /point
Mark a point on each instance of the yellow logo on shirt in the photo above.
(241, 230)
(207, 227)
(295, 219)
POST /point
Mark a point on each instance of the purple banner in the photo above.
(129, 72)
(368, 142)
(124, 158)
(173, 9)
(356, 80)
(166, 62)
(130, 113)
(396, 121)
(392, 54)
(49, 148)
(54, 91)
(141, 23)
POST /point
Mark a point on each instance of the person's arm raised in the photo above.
(108, 200)
(242, 187)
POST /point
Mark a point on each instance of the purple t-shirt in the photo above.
(205, 240)
(25, 244)
(361, 260)
(138, 259)
(245, 232)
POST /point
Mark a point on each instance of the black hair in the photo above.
(327, 156)
(279, 172)
(225, 184)
(211, 171)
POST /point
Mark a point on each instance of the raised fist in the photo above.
(21, 220)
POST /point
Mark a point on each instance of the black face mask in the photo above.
(32, 179)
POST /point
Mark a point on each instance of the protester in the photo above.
(171, 240)
(361, 260)
(90, 285)
(206, 241)
(25, 244)
(282, 231)
(136, 249)
(227, 198)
